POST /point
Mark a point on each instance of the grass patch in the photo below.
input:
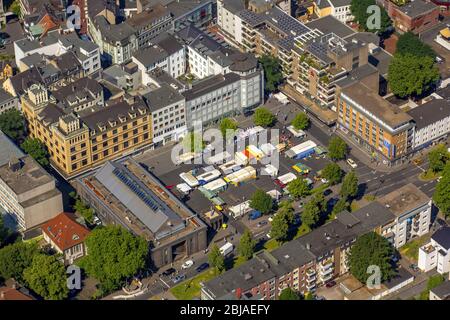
(191, 288)
(302, 230)
(271, 245)
(411, 249)
(370, 197)
(354, 206)
(429, 175)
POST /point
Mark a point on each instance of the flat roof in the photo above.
(210, 84)
(417, 8)
(29, 175)
(430, 112)
(8, 149)
(376, 105)
(405, 199)
(162, 97)
(330, 24)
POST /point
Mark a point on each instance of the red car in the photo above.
(330, 284)
(280, 184)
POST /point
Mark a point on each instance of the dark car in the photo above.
(261, 224)
(327, 192)
(168, 272)
(330, 284)
(202, 267)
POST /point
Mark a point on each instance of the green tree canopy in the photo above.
(340, 206)
(36, 149)
(227, 125)
(114, 255)
(246, 245)
(273, 75)
(349, 188)
(358, 9)
(216, 259)
(15, 258)
(280, 227)
(438, 158)
(371, 249)
(12, 124)
(309, 296)
(333, 173)
(441, 196)
(410, 43)
(85, 211)
(337, 148)
(47, 277)
(410, 75)
(263, 117)
(311, 213)
(432, 283)
(261, 201)
(288, 294)
(301, 121)
(298, 188)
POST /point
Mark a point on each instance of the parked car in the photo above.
(178, 278)
(187, 264)
(352, 163)
(327, 192)
(202, 267)
(268, 236)
(97, 221)
(330, 284)
(324, 180)
(270, 219)
(261, 224)
(168, 272)
(414, 267)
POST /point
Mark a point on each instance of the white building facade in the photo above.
(436, 253)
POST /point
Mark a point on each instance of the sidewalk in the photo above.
(359, 153)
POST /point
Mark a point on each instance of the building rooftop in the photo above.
(442, 290)
(379, 107)
(142, 202)
(8, 149)
(24, 174)
(210, 84)
(64, 231)
(417, 8)
(12, 294)
(405, 199)
(330, 24)
(162, 97)
(114, 32)
(430, 112)
(151, 55)
(442, 237)
(149, 16)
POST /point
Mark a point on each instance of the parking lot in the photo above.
(235, 195)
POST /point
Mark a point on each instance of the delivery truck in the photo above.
(302, 150)
(226, 249)
(189, 179)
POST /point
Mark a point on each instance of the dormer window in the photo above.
(101, 126)
(132, 115)
(112, 123)
(142, 111)
(122, 118)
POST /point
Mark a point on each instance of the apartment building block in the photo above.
(432, 122)
(82, 140)
(304, 263)
(28, 193)
(436, 253)
(56, 43)
(412, 209)
(380, 127)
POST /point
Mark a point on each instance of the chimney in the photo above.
(238, 293)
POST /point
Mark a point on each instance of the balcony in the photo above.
(311, 286)
(311, 279)
(327, 277)
(311, 272)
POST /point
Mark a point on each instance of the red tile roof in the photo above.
(12, 294)
(64, 231)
